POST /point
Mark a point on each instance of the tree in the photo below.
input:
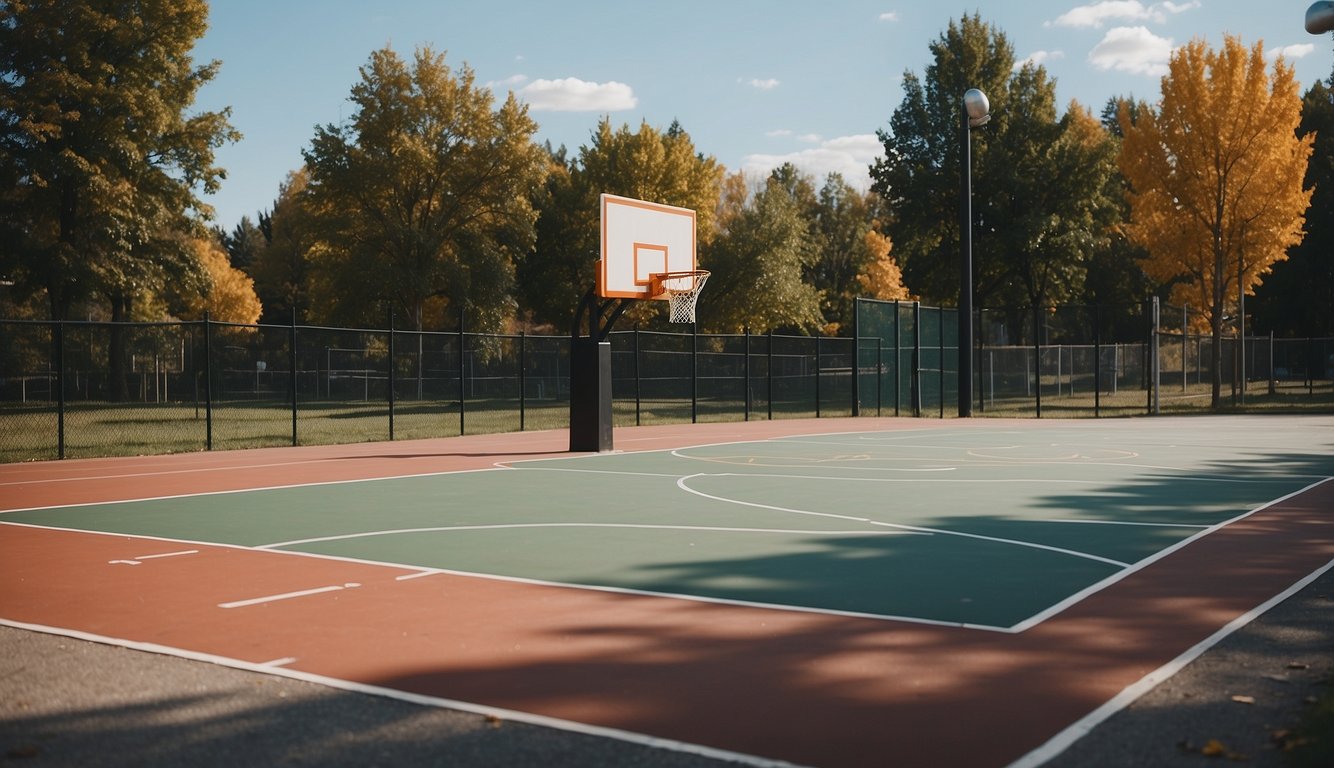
(230, 294)
(282, 267)
(1039, 181)
(758, 265)
(852, 257)
(647, 164)
(243, 243)
(1298, 298)
(1216, 175)
(425, 192)
(101, 163)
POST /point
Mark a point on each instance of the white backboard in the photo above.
(640, 239)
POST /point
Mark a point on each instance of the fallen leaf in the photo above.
(1298, 665)
(1244, 699)
(1213, 748)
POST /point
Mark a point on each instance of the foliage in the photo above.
(647, 164)
(230, 296)
(1040, 197)
(1216, 176)
(100, 160)
(282, 267)
(758, 264)
(1298, 298)
(852, 257)
(423, 192)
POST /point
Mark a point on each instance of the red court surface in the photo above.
(765, 686)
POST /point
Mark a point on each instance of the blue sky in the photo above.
(754, 83)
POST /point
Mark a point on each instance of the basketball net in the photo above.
(682, 289)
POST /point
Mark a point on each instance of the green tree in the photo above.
(647, 164)
(758, 265)
(1040, 201)
(1216, 174)
(425, 192)
(852, 258)
(100, 159)
(243, 243)
(282, 266)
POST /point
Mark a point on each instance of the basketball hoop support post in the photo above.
(590, 374)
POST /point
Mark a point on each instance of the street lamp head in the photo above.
(1320, 17)
(978, 108)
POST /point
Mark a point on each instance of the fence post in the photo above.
(745, 394)
(1097, 363)
(898, 359)
(391, 372)
(523, 384)
(1185, 335)
(636, 369)
(291, 364)
(879, 373)
(1154, 361)
(694, 372)
(856, 356)
(60, 389)
(916, 384)
(208, 382)
(462, 391)
(817, 376)
(1037, 357)
(940, 356)
(769, 374)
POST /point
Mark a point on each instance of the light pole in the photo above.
(976, 112)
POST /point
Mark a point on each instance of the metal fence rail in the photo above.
(84, 389)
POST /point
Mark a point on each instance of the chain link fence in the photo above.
(86, 389)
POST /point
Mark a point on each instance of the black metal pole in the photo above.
(208, 383)
(694, 372)
(462, 409)
(523, 385)
(638, 391)
(745, 394)
(856, 356)
(1037, 356)
(391, 372)
(1097, 363)
(291, 363)
(965, 269)
(60, 389)
(769, 373)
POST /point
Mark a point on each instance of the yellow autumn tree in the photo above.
(882, 279)
(230, 295)
(1215, 174)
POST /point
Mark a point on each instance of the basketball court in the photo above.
(818, 592)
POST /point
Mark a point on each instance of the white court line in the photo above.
(506, 526)
(941, 531)
(438, 702)
(1080, 728)
(287, 596)
(138, 559)
(284, 661)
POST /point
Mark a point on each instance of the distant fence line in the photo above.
(82, 389)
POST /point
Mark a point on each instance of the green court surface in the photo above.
(991, 526)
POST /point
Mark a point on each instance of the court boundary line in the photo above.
(419, 571)
(436, 702)
(1131, 693)
(1020, 627)
(1140, 565)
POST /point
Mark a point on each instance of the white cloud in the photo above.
(781, 132)
(1037, 58)
(850, 156)
(508, 83)
(1097, 14)
(570, 94)
(890, 16)
(810, 138)
(1132, 49)
(767, 84)
(1290, 51)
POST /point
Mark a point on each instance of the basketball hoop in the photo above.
(682, 289)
